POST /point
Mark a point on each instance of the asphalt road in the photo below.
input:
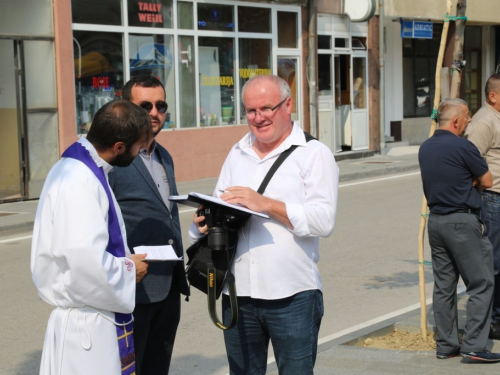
(369, 268)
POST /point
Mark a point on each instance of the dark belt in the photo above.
(467, 211)
(491, 192)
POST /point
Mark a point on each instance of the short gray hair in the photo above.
(278, 81)
(449, 108)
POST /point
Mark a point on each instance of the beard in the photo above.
(160, 126)
(124, 160)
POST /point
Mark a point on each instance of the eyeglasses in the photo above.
(160, 106)
(263, 112)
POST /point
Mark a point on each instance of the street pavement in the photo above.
(335, 356)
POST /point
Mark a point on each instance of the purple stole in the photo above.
(115, 247)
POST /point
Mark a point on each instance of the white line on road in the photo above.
(379, 179)
(16, 239)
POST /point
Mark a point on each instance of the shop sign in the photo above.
(217, 81)
(416, 29)
(100, 82)
(153, 14)
(248, 73)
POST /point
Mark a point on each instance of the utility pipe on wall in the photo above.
(312, 71)
(381, 21)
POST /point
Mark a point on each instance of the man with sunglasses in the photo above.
(142, 191)
(277, 278)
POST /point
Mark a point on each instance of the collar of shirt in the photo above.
(296, 137)
(490, 108)
(95, 156)
(144, 151)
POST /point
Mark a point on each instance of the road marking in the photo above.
(16, 239)
(379, 179)
(186, 210)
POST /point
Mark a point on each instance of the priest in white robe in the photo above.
(71, 262)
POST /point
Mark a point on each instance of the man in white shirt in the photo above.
(80, 262)
(277, 278)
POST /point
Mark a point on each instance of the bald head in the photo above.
(279, 82)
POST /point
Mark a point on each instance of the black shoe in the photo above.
(494, 331)
(485, 356)
(441, 355)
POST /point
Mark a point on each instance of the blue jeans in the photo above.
(292, 324)
(490, 213)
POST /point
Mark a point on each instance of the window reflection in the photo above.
(98, 72)
(255, 60)
(102, 12)
(359, 82)
(153, 55)
(216, 61)
(287, 69)
(187, 86)
(215, 17)
(254, 20)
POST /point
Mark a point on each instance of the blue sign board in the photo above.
(416, 29)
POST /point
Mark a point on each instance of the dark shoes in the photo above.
(441, 355)
(494, 331)
(484, 356)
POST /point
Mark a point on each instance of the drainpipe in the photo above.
(313, 89)
(381, 21)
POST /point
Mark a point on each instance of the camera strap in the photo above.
(230, 280)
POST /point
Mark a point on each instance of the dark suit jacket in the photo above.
(149, 222)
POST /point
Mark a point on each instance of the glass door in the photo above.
(343, 115)
(359, 103)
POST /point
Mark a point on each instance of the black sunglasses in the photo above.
(160, 106)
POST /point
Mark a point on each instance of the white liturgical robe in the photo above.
(73, 271)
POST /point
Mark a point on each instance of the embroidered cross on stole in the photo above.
(124, 322)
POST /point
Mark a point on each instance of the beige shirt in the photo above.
(484, 132)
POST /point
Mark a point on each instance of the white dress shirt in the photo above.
(273, 261)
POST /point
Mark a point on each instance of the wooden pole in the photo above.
(423, 217)
(458, 55)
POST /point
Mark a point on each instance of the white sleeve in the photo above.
(316, 215)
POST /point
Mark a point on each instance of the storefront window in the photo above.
(215, 17)
(359, 82)
(98, 72)
(254, 20)
(153, 55)
(287, 69)
(153, 13)
(101, 12)
(419, 65)
(255, 60)
(184, 15)
(187, 83)
(216, 65)
(287, 30)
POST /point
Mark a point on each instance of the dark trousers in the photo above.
(490, 213)
(291, 324)
(155, 326)
(460, 248)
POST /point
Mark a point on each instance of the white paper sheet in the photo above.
(157, 253)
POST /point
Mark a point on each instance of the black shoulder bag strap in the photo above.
(230, 280)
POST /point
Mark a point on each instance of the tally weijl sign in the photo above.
(150, 12)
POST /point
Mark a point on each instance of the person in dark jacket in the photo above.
(142, 192)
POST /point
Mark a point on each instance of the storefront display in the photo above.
(203, 55)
